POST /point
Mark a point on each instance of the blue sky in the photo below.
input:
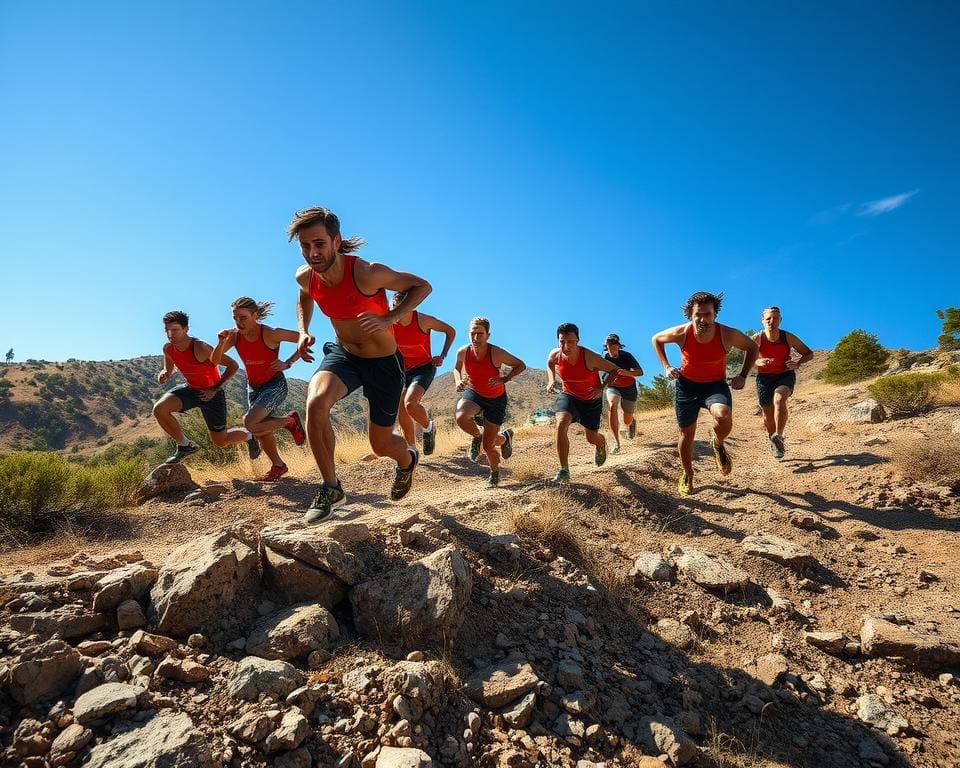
(537, 162)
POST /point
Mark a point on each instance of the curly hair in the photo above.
(245, 302)
(177, 317)
(310, 217)
(703, 297)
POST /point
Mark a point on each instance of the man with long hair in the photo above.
(352, 293)
(702, 378)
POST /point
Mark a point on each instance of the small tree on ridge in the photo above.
(858, 355)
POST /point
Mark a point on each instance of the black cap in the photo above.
(614, 338)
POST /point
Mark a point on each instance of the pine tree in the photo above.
(858, 355)
(950, 338)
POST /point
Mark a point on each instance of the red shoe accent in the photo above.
(273, 475)
(296, 428)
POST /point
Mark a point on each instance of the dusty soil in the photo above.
(878, 535)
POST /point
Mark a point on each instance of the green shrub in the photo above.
(32, 484)
(657, 396)
(907, 394)
(858, 355)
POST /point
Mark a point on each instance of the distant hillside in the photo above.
(524, 395)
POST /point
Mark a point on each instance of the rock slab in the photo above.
(710, 572)
(500, 684)
(165, 741)
(293, 632)
(889, 636)
(43, 671)
(778, 549)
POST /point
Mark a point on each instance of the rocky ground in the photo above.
(799, 612)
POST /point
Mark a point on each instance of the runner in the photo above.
(622, 391)
(702, 378)
(581, 398)
(350, 291)
(412, 332)
(203, 390)
(259, 348)
(777, 375)
(479, 376)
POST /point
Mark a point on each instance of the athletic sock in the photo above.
(184, 442)
(430, 426)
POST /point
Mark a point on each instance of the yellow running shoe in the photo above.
(685, 484)
(724, 462)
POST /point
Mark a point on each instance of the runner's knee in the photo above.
(219, 439)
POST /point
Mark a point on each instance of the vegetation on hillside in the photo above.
(949, 338)
(857, 356)
(909, 394)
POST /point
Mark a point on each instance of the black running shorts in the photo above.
(585, 412)
(493, 409)
(214, 410)
(767, 384)
(691, 396)
(381, 379)
(421, 376)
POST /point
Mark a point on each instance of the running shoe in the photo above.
(182, 452)
(253, 448)
(724, 462)
(475, 448)
(429, 439)
(506, 450)
(494, 480)
(404, 477)
(295, 426)
(600, 455)
(685, 484)
(777, 446)
(632, 429)
(328, 498)
(274, 474)
(616, 449)
(562, 477)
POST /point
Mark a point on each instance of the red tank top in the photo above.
(703, 363)
(198, 375)
(257, 356)
(413, 343)
(578, 380)
(345, 301)
(481, 371)
(779, 350)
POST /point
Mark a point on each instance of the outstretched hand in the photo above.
(162, 377)
(372, 323)
(228, 334)
(304, 344)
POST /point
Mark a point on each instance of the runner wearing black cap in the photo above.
(622, 390)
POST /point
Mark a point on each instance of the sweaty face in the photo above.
(704, 316)
(244, 318)
(175, 332)
(318, 248)
(478, 335)
(568, 342)
(771, 319)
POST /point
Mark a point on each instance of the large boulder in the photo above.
(67, 621)
(891, 636)
(255, 676)
(403, 757)
(165, 479)
(43, 671)
(500, 684)
(199, 581)
(293, 632)
(322, 547)
(652, 567)
(663, 736)
(710, 572)
(423, 603)
(130, 582)
(99, 704)
(165, 741)
(294, 581)
(778, 549)
(866, 411)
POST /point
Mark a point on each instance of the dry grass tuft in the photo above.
(547, 519)
(949, 393)
(934, 461)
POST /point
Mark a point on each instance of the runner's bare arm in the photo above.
(371, 277)
(430, 323)
(273, 337)
(552, 370)
(225, 339)
(734, 338)
(672, 335)
(806, 354)
(459, 376)
(305, 340)
(501, 357)
(596, 362)
(163, 375)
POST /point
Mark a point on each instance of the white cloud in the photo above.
(829, 216)
(886, 204)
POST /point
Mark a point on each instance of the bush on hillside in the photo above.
(949, 339)
(41, 491)
(657, 396)
(858, 355)
(908, 394)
